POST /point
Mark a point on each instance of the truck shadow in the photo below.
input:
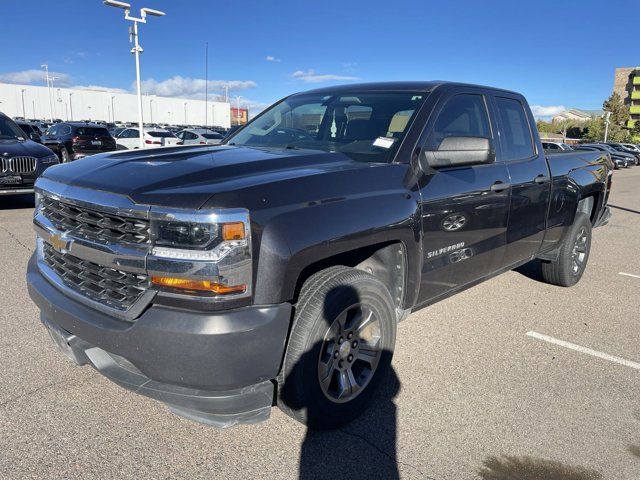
(15, 202)
(531, 270)
(366, 447)
(531, 468)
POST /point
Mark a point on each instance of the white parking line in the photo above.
(588, 351)
(629, 274)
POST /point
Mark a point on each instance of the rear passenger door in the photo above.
(464, 208)
(529, 177)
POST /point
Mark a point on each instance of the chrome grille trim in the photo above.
(19, 165)
(114, 288)
(92, 224)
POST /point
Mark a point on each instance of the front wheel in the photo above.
(339, 350)
(568, 268)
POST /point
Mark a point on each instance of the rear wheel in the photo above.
(339, 350)
(572, 259)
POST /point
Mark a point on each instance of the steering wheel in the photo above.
(286, 135)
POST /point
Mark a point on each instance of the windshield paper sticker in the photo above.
(383, 142)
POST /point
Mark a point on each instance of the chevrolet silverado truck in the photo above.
(272, 270)
(22, 159)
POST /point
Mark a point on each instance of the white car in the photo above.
(153, 137)
(199, 136)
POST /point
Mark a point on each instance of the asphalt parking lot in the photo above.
(512, 379)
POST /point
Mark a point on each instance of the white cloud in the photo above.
(546, 112)
(34, 76)
(191, 87)
(310, 76)
(270, 58)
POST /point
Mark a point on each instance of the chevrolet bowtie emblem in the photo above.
(59, 242)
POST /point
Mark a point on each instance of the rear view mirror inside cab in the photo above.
(459, 151)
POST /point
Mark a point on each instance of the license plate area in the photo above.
(11, 180)
(96, 143)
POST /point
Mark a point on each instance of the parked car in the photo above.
(200, 136)
(616, 161)
(75, 140)
(31, 130)
(632, 147)
(153, 137)
(619, 147)
(556, 146)
(115, 131)
(629, 159)
(22, 160)
(275, 271)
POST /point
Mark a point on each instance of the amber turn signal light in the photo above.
(198, 285)
(233, 231)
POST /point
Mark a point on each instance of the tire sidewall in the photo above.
(581, 220)
(302, 380)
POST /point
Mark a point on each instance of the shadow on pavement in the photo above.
(634, 450)
(15, 202)
(366, 448)
(530, 468)
(532, 270)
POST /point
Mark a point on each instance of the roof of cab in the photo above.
(414, 86)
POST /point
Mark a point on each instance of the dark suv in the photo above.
(74, 140)
(31, 130)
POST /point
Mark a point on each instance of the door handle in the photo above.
(499, 186)
(541, 179)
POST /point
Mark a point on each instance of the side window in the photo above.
(190, 135)
(53, 131)
(464, 115)
(516, 135)
(180, 135)
(64, 130)
(133, 133)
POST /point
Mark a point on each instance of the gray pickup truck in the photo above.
(273, 269)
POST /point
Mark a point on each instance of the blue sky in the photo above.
(558, 53)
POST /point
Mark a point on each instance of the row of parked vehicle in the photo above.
(75, 140)
(623, 155)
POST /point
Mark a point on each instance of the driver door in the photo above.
(464, 208)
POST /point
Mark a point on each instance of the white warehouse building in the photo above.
(75, 104)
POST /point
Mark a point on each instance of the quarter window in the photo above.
(516, 134)
(464, 115)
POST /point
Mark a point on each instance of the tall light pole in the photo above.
(606, 125)
(151, 110)
(185, 113)
(55, 111)
(70, 107)
(24, 112)
(46, 74)
(137, 49)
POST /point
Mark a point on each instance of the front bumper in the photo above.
(213, 367)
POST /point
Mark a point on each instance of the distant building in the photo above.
(239, 116)
(578, 116)
(31, 101)
(626, 83)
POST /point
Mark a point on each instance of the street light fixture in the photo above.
(24, 112)
(46, 73)
(70, 107)
(185, 113)
(606, 125)
(137, 49)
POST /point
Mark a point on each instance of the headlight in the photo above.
(201, 252)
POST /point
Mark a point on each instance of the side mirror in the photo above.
(459, 151)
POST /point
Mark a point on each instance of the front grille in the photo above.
(105, 285)
(19, 165)
(95, 225)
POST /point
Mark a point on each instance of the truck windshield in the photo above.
(366, 127)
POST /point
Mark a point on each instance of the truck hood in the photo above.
(182, 177)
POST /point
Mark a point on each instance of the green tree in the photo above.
(619, 111)
(545, 127)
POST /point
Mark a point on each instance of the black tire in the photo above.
(323, 300)
(567, 270)
(64, 155)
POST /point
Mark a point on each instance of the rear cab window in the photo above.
(516, 139)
